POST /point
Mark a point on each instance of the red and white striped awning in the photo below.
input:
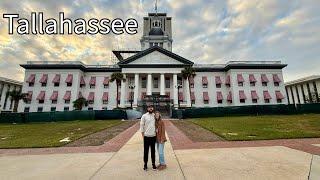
(91, 96)
(252, 78)
(56, 78)
(192, 96)
(44, 78)
(266, 95)
(180, 95)
(254, 95)
(240, 78)
(218, 80)
(228, 80)
(279, 95)
(31, 78)
(204, 80)
(41, 95)
(67, 95)
(219, 96)
(106, 81)
(92, 81)
(205, 96)
(242, 95)
(229, 97)
(54, 96)
(69, 78)
(105, 96)
(276, 78)
(264, 78)
(82, 81)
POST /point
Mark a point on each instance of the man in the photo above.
(148, 131)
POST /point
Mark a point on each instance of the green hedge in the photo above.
(246, 110)
(61, 116)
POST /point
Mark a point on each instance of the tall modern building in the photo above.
(7, 85)
(303, 91)
(152, 76)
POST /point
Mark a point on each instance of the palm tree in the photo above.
(117, 77)
(187, 73)
(16, 96)
(79, 103)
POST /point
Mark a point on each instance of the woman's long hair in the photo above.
(157, 119)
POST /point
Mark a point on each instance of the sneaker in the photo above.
(162, 167)
(145, 167)
(154, 167)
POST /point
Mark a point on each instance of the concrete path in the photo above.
(315, 168)
(128, 163)
(269, 162)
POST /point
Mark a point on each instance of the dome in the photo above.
(156, 31)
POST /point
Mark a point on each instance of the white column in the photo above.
(175, 90)
(149, 85)
(3, 89)
(3, 96)
(136, 90)
(123, 92)
(162, 85)
(186, 87)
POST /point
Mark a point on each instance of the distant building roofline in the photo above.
(10, 81)
(301, 80)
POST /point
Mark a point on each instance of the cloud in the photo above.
(204, 31)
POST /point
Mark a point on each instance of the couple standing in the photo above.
(153, 133)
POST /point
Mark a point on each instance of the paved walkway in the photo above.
(266, 162)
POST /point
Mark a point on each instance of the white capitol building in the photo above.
(153, 76)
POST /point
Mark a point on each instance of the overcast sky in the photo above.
(208, 31)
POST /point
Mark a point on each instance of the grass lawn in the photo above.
(263, 127)
(48, 134)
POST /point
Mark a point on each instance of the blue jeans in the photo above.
(160, 148)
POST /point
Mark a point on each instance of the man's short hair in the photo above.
(150, 106)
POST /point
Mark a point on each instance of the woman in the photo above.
(161, 139)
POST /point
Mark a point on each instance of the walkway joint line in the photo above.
(310, 167)
(95, 173)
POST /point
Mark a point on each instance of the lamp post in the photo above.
(131, 86)
(178, 87)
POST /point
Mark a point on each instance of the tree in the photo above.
(16, 96)
(79, 103)
(117, 77)
(187, 73)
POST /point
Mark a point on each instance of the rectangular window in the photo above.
(69, 84)
(67, 101)
(264, 84)
(90, 102)
(31, 84)
(41, 101)
(104, 108)
(54, 101)
(26, 109)
(105, 102)
(192, 85)
(40, 109)
(193, 101)
(106, 86)
(143, 82)
(254, 101)
(267, 101)
(252, 83)
(82, 85)
(155, 82)
(92, 86)
(219, 101)
(56, 84)
(242, 101)
(90, 108)
(205, 85)
(218, 85)
(276, 84)
(205, 101)
(43, 84)
(227, 85)
(66, 108)
(240, 84)
(279, 100)
(167, 82)
(53, 109)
